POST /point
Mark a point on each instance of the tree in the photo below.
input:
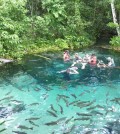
(114, 17)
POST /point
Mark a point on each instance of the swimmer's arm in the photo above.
(61, 71)
(74, 72)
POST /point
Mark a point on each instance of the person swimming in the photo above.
(77, 59)
(66, 56)
(85, 61)
(101, 64)
(93, 60)
(111, 62)
(70, 70)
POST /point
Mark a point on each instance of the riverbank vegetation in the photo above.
(28, 26)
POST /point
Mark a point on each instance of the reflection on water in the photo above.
(35, 99)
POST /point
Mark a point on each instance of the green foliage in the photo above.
(61, 43)
(28, 25)
(112, 25)
(78, 42)
(115, 41)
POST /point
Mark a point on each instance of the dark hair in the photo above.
(93, 55)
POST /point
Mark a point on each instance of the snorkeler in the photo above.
(70, 70)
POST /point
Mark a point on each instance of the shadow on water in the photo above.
(46, 102)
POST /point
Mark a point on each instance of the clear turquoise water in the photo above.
(31, 88)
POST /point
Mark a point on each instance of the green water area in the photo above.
(35, 99)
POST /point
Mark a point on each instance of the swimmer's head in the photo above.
(100, 62)
(76, 54)
(109, 58)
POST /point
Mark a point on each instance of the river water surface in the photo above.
(35, 99)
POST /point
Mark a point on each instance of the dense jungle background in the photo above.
(41, 25)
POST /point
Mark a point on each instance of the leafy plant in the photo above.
(115, 41)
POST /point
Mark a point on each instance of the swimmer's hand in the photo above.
(58, 72)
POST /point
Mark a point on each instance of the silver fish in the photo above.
(74, 102)
(90, 108)
(2, 130)
(83, 114)
(61, 109)
(82, 93)
(66, 101)
(52, 108)
(33, 118)
(24, 127)
(74, 96)
(63, 118)
(2, 122)
(8, 93)
(32, 104)
(68, 120)
(96, 112)
(51, 113)
(7, 98)
(63, 96)
(18, 132)
(55, 122)
(83, 118)
(33, 123)
(51, 123)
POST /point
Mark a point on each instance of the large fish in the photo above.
(33, 104)
(51, 123)
(52, 108)
(58, 98)
(96, 112)
(2, 130)
(74, 102)
(68, 120)
(63, 96)
(33, 118)
(61, 109)
(83, 118)
(2, 122)
(55, 122)
(18, 108)
(81, 103)
(115, 99)
(86, 104)
(83, 114)
(82, 93)
(51, 113)
(8, 93)
(91, 108)
(99, 106)
(7, 98)
(63, 118)
(16, 102)
(66, 101)
(18, 132)
(31, 122)
(74, 96)
(87, 91)
(24, 127)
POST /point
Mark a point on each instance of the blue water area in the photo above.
(35, 99)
